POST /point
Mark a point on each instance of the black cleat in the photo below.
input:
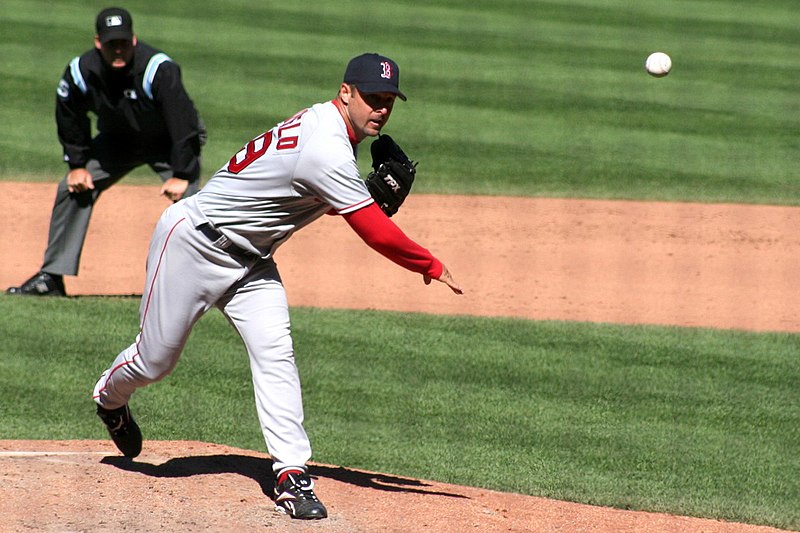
(41, 284)
(295, 496)
(123, 429)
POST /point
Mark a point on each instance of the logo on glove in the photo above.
(391, 182)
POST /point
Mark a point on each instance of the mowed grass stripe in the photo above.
(523, 98)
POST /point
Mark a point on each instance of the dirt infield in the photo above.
(719, 266)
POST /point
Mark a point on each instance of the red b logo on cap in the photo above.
(387, 70)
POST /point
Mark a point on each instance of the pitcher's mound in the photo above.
(185, 486)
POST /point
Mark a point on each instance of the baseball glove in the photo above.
(393, 174)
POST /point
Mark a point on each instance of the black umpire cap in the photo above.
(114, 23)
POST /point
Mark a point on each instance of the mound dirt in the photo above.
(87, 486)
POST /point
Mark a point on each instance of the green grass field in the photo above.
(506, 97)
(685, 421)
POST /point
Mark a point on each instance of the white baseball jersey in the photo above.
(283, 180)
(278, 183)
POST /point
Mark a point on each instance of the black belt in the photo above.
(225, 243)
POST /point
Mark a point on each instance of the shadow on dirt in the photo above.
(260, 471)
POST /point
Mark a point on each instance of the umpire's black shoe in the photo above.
(41, 284)
(123, 429)
(295, 496)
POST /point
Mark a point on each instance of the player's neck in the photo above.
(351, 132)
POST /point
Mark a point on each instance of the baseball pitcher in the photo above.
(217, 248)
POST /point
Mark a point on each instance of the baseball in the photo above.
(658, 64)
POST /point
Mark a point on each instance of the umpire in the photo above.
(144, 116)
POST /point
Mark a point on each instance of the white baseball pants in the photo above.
(186, 276)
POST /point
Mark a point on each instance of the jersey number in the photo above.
(254, 149)
(259, 146)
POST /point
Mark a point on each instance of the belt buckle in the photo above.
(219, 240)
(223, 242)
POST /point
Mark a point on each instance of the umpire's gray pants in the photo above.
(69, 221)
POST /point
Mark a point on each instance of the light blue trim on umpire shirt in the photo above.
(77, 77)
(150, 72)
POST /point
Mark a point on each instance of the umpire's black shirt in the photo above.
(142, 108)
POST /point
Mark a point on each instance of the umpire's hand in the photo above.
(79, 180)
(174, 188)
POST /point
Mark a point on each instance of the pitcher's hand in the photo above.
(447, 279)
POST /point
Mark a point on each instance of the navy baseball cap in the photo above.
(114, 23)
(374, 73)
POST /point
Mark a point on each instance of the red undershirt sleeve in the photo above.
(383, 236)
